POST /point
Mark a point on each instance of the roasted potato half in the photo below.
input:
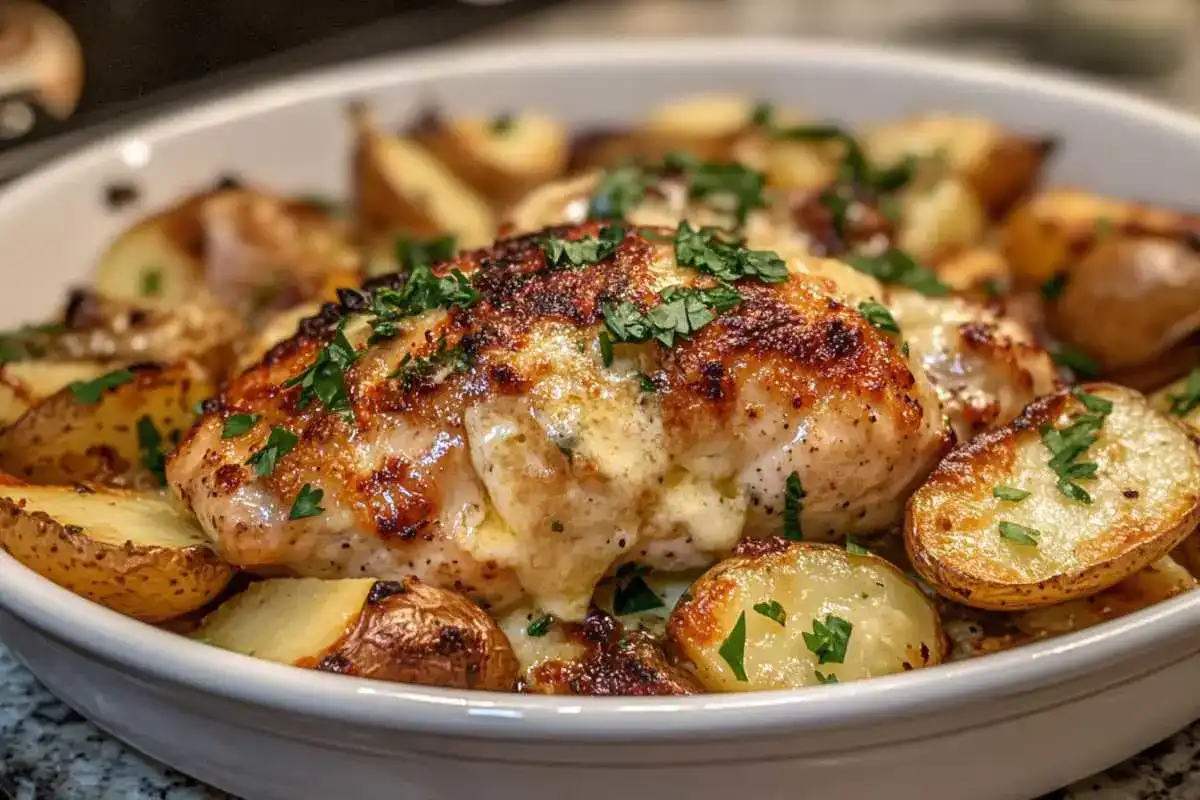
(114, 431)
(274, 329)
(977, 633)
(502, 157)
(23, 384)
(996, 167)
(783, 614)
(403, 631)
(1084, 489)
(132, 552)
(401, 187)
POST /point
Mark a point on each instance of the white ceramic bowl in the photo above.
(1007, 726)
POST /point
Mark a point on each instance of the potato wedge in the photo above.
(939, 220)
(1129, 299)
(403, 631)
(134, 553)
(997, 167)
(1047, 548)
(504, 157)
(791, 614)
(23, 384)
(599, 656)
(400, 187)
(976, 633)
(276, 328)
(115, 436)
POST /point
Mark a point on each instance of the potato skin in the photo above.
(410, 632)
(616, 663)
(153, 584)
(1009, 172)
(968, 474)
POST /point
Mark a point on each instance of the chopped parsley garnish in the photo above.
(325, 378)
(773, 611)
(150, 446)
(557, 526)
(442, 362)
(1067, 444)
(829, 639)
(422, 292)
(632, 594)
(89, 392)
(793, 502)
(707, 252)
(646, 383)
(821, 678)
(1009, 493)
(1077, 361)
(896, 266)
(151, 283)
(619, 191)
(239, 425)
(733, 649)
(606, 350)
(412, 254)
(501, 124)
(763, 114)
(1053, 286)
(579, 253)
(540, 626)
(855, 169)
(854, 548)
(279, 443)
(1183, 403)
(878, 316)
(721, 179)
(1019, 534)
(307, 503)
(683, 311)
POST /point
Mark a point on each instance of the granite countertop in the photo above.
(48, 752)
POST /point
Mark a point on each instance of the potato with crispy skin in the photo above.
(780, 615)
(502, 157)
(134, 553)
(974, 633)
(23, 384)
(115, 431)
(401, 187)
(1081, 491)
(404, 631)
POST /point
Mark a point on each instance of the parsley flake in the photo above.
(89, 392)
(279, 443)
(854, 548)
(443, 362)
(683, 311)
(149, 445)
(1009, 493)
(239, 425)
(579, 253)
(773, 611)
(733, 649)
(878, 316)
(829, 639)
(325, 378)
(606, 348)
(732, 180)
(618, 192)
(151, 283)
(1077, 361)
(1053, 286)
(632, 593)
(412, 254)
(501, 124)
(540, 626)
(897, 267)
(307, 503)
(1019, 534)
(830, 678)
(646, 384)
(793, 502)
(707, 252)
(1066, 445)
(1182, 404)
(763, 114)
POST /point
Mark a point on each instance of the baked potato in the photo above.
(1084, 489)
(114, 430)
(976, 633)
(400, 187)
(502, 157)
(780, 615)
(23, 384)
(132, 552)
(403, 631)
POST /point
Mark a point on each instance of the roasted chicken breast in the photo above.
(516, 422)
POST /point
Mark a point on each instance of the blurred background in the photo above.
(73, 69)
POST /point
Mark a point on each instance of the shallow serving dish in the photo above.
(1009, 725)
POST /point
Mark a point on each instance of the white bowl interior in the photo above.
(291, 136)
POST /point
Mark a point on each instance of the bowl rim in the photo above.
(141, 649)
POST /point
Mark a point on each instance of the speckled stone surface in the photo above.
(48, 752)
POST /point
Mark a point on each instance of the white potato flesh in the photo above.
(286, 619)
(111, 518)
(550, 643)
(958, 142)
(703, 116)
(940, 220)
(531, 144)
(1145, 497)
(894, 625)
